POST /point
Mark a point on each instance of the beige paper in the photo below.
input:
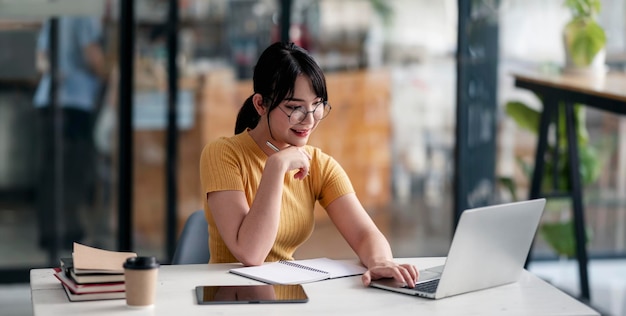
(86, 257)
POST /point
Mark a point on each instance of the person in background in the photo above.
(261, 185)
(81, 75)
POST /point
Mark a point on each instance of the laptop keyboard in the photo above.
(427, 287)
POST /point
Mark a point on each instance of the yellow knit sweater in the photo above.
(237, 162)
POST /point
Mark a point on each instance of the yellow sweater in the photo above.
(237, 162)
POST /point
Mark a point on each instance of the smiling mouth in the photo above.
(301, 133)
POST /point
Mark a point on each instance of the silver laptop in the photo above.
(489, 248)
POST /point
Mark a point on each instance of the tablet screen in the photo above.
(248, 294)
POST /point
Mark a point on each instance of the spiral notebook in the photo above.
(300, 271)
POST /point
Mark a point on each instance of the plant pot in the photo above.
(597, 68)
(588, 41)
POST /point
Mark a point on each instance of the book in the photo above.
(88, 288)
(90, 258)
(73, 297)
(86, 276)
(300, 271)
(67, 264)
(96, 278)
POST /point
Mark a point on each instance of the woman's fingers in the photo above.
(404, 273)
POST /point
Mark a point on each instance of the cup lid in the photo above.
(141, 263)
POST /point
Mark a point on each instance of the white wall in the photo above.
(530, 30)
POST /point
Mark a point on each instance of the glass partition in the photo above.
(390, 66)
(55, 173)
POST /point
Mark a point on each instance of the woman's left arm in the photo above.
(369, 243)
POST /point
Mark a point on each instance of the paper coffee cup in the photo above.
(140, 278)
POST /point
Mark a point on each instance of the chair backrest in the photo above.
(193, 244)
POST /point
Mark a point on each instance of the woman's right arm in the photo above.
(250, 231)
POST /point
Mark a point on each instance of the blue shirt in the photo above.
(78, 86)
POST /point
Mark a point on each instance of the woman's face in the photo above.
(294, 133)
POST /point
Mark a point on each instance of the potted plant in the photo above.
(584, 38)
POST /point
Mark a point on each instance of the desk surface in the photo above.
(611, 86)
(345, 296)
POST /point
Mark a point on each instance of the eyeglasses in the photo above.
(298, 114)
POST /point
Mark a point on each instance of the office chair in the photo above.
(193, 244)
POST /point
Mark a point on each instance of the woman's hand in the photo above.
(293, 158)
(405, 273)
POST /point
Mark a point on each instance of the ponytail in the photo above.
(248, 117)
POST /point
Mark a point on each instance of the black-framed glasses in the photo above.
(297, 115)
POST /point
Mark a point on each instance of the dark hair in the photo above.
(274, 78)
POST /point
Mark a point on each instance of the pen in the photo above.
(270, 145)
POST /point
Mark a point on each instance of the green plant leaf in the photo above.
(509, 184)
(584, 39)
(581, 125)
(586, 8)
(589, 164)
(590, 168)
(560, 236)
(383, 9)
(525, 117)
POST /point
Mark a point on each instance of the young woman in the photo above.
(261, 185)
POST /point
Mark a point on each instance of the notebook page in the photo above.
(279, 273)
(335, 268)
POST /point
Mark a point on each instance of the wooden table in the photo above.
(343, 296)
(606, 93)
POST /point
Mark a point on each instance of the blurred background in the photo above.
(392, 70)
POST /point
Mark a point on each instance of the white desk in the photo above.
(345, 296)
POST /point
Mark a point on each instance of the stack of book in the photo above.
(97, 276)
(88, 284)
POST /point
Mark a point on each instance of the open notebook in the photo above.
(300, 271)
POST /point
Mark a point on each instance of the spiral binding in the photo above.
(300, 266)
